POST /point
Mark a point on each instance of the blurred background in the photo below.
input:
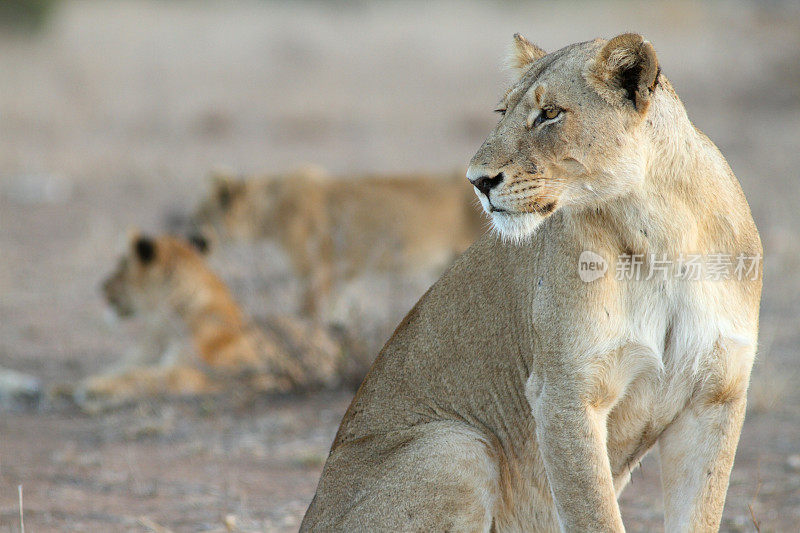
(113, 113)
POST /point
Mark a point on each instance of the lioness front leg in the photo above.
(571, 435)
(698, 448)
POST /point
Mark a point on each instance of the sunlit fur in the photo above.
(517, 397)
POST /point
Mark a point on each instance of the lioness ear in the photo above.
(625, 70)
(524, 53)
(145, 249)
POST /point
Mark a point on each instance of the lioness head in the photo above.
(567, 134)
(149, 275)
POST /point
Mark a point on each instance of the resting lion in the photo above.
(521, 390)
(335, 229)
(166, 278)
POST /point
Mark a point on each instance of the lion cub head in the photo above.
(567, 134)
(152, 275)
(241, 209)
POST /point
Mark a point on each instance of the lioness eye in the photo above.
(551, 112)
(547, 113)
(501, 110)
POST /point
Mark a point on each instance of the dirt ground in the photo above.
(112, 117)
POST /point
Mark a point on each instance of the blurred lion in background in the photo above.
(337, 229)
(166, 278)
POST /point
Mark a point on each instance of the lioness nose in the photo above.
(487, 183)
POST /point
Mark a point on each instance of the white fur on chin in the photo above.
(515, 228)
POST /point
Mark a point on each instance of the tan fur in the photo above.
(335, 229)
(517, 397)
(285, 354)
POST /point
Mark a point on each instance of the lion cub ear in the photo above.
(225, 186)
(625, 70)
(523, 53)
(199, 242)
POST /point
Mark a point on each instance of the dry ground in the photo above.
(114, 114)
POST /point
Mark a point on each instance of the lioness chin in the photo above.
(518, 393)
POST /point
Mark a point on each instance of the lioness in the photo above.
(518, 393)
(166, 277)
(334, 229)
